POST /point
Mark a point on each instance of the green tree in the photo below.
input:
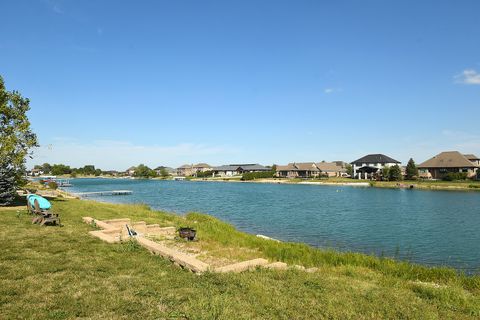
(411, 170)
(164, 173)
(46, 168)
(386, 173)
(89, 170)
(349, 169)
(142, 171)
(16, 138)
(97, 172)
(395, 173)
(60, 169)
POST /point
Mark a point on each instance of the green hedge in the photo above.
(257, 175)
(451, 176)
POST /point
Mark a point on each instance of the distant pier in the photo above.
(104, 193)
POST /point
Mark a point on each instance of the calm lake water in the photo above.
(427, 227)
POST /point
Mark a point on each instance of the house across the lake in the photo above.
(332, 169)
(231, 170)
(307, 170)
(371, 165)
(201, 167)
(449, 161)
(191, 169)
(169, 170)
(130, 171)
(185, 170)
(298, 170)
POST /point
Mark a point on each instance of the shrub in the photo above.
(205, 174)
(257, 175)
(53, 185)
(451, 176)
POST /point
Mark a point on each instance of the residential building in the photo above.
(238, 169)
(130, 171)
(331, 169)
(201, 167)
(169, 170)
(185, 170)
(473, 158)
(371, 165)
(191, 169)
(311, 170)
(449, 161)
(35, 172)
(298, 170)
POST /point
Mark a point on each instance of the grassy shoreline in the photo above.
(62, 273)
(417, 184)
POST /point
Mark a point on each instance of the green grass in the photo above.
(63, 273)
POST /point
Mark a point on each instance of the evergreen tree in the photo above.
(395, 173)
(411, 170)
(7, 184)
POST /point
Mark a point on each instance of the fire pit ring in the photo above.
(187, 233)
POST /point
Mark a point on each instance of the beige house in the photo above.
(191, 169)
(473, 158)
(331, 169)
(311, 170)
(130, 171)
(298, 170)
(201, 167)
(449, 161)
(185, 170)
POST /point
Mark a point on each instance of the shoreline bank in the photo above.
(96, 279)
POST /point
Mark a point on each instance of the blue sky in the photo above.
(117, 83)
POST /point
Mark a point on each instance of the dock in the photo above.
(104, 193)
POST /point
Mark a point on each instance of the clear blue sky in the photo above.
(117, 83)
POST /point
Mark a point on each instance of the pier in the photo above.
(104, 193)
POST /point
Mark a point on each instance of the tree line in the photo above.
(62, 169)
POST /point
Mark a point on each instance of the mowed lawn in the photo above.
(64, 273)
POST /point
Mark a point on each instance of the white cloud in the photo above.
(468, 76)
(119, 155)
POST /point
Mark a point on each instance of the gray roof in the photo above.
(225, 168)
(375, 158)
(241, 167)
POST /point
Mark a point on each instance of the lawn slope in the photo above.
(63, 273)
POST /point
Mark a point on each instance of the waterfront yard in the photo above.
(64, 273)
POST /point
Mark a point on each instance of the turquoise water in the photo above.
(427, 227)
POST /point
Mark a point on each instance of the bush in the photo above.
(53, 185)
(451, 176)
(257, 175)
(205, 174)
